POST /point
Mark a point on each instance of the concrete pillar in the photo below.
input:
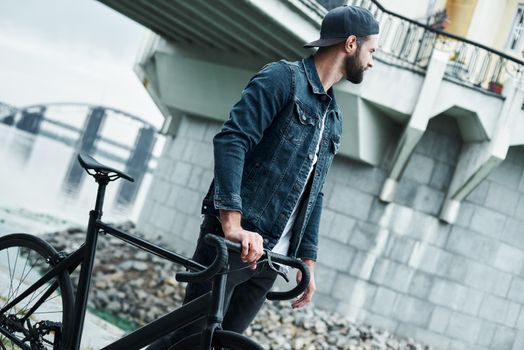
(31, 120)
(92, 126)
(86, 144)
(417, 124)
(9, 119)
(137, 164)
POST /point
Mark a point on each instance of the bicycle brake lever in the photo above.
(276, 269)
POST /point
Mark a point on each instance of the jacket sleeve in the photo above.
(264, 96)
(309, 244)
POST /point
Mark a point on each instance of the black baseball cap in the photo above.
(342, 22)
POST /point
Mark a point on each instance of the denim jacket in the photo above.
(263, 154)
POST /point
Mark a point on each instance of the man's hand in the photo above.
(252, 242)
(306, 297)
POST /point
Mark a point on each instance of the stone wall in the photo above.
(395, 266)
(185, 170)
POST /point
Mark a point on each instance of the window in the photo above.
(515, 35)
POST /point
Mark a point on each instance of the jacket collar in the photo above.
(312, 75)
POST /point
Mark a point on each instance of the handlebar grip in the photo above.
(216, 266)
(284, 260)
(300, 287)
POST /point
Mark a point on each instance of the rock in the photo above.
(126, 265)
(102, 284)
(140, 266)
(142, 256)
(113, 306)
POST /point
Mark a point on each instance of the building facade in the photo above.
(422, 231)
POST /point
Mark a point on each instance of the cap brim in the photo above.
(325, 42)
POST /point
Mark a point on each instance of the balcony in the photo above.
(409, 44)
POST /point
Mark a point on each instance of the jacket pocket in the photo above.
(301, 122)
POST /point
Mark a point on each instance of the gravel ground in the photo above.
(139, 287)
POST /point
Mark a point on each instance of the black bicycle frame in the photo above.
(210, 304)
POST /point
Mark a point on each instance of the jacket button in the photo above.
(311, 156)
(323, 97)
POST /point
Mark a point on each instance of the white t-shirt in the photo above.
(282, 245)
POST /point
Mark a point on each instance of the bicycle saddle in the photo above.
(89, 163)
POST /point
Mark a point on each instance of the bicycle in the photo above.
(41, 311)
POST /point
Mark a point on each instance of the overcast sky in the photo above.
(71, 51)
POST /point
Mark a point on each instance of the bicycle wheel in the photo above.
(222, 340)
(39, 320)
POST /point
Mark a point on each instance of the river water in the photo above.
(41, 188)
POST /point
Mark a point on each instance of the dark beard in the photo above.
(354, 71)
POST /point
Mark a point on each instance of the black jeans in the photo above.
(245, 289)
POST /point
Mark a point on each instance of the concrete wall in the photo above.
(488, 11)
(393, 265)
(396, 266)
(505, 26)
(171, 211)
(460, 13)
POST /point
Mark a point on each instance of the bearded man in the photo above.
(271, 160)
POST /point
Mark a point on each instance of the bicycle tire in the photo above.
(34, 254)
(222, 340)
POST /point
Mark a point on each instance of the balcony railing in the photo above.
(410, 44)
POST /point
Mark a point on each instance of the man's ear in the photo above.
(351, 44)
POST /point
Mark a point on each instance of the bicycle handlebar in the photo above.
(300, 287)
(283, 260)
(216, 266)
(222, 246)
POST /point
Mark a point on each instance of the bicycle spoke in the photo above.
(30, 320)
(45, 298)
(25, 265)
(25, 277)
(11, 273)
(33, 297)
(47, 312)
(22, 281)
(13, 292)
(16, 260)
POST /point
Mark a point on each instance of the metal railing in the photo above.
(410, 44)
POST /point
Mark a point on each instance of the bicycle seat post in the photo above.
(102, 179)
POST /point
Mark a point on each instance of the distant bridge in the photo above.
(39, 120)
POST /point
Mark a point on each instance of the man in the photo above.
(271, 160)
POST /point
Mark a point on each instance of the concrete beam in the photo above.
(478, 160)
(199, 87)
(305, 23)
(417, 124)
(476, 112)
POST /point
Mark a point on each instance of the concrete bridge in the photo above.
(42, 120)
(422, 231)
